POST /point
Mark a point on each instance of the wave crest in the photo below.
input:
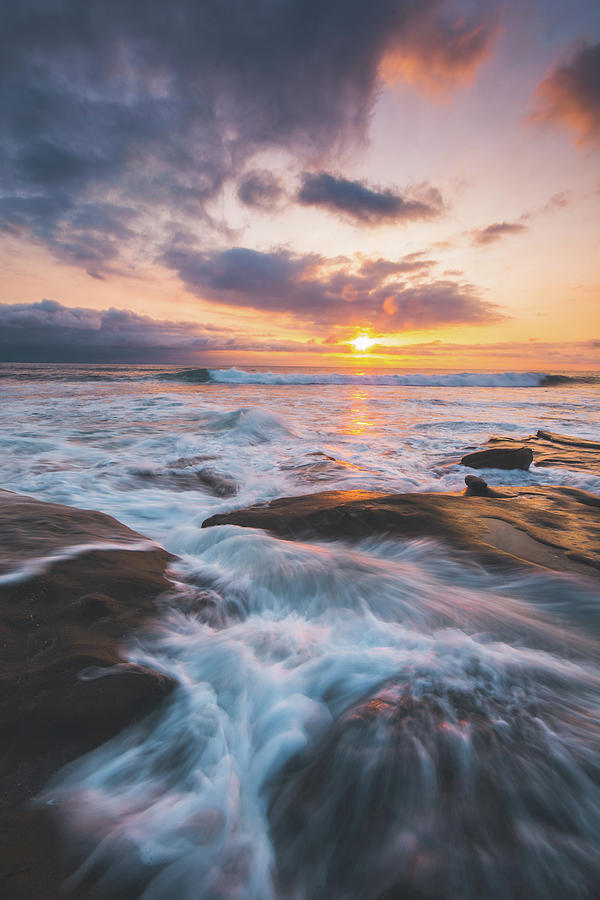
(188, 376)
(464, 379)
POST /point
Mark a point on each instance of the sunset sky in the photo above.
(260, 181)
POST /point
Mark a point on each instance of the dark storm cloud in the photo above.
(87, 234)
(570, 95)
(496, 231)
(260, 189)
(153, 105)
(49, 322)
(327, 292)
(48, 331)
(365, 205)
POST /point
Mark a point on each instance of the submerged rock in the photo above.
(428, 796)
(181, 476)
(220, 485)
(518, 457)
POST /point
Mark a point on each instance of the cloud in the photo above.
(49, 331)
(366, 205)
(154, 106)
(261, 190)
(382, 268)
(36, 322)
(86, 234)
(440, 51)
(557, 201)
(496, 231)
(570, 95)
(329, 292)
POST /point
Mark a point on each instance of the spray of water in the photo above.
(373, 721)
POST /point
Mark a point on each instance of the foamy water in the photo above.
(352, 720)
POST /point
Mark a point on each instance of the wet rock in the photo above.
(187, 462)
(30, 529)
(208, 606)
(519, 457)
(217, 483)
(95, 606)
(324, 468)
(65, 687)
(476, 486)
(557, 527)
(555, 450)
(399, 780)
(568, 440)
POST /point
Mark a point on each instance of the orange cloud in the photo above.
(570, 95)
(437, 55)
(390, 306)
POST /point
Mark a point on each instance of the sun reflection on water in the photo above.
(359, 411)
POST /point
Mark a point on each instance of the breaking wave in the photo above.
(553, 380)
(466, 379)
(374, 721)
(234, 376)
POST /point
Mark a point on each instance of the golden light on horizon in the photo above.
(362, 343)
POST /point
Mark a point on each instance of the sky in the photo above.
(217, 182)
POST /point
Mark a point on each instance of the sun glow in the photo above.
(362, 343)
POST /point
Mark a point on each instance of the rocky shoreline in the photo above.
(75, 584)
(69, 620)
(546, 448)
(558, 528)
(555, 527)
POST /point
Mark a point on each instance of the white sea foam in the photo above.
(202, 801)
(464, 379)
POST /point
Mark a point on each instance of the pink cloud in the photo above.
(570, 95)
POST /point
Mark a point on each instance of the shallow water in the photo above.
(380, 719)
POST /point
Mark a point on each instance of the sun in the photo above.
(362, 343)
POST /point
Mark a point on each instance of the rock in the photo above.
(556, 527)
(401, 778)
(476, 486)
(220, 485)
(567, 439)
(65, 687)
(555, 450)
(98, 606)
(30, 529)
(518, 457)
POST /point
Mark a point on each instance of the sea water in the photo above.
(368, 719)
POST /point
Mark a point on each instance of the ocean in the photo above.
(494, 790)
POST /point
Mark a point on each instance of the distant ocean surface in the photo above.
(308, 630)
(115, 438)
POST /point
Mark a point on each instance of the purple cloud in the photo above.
(365, 205)
(570, 95)
(496, 231)
(329, 292)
